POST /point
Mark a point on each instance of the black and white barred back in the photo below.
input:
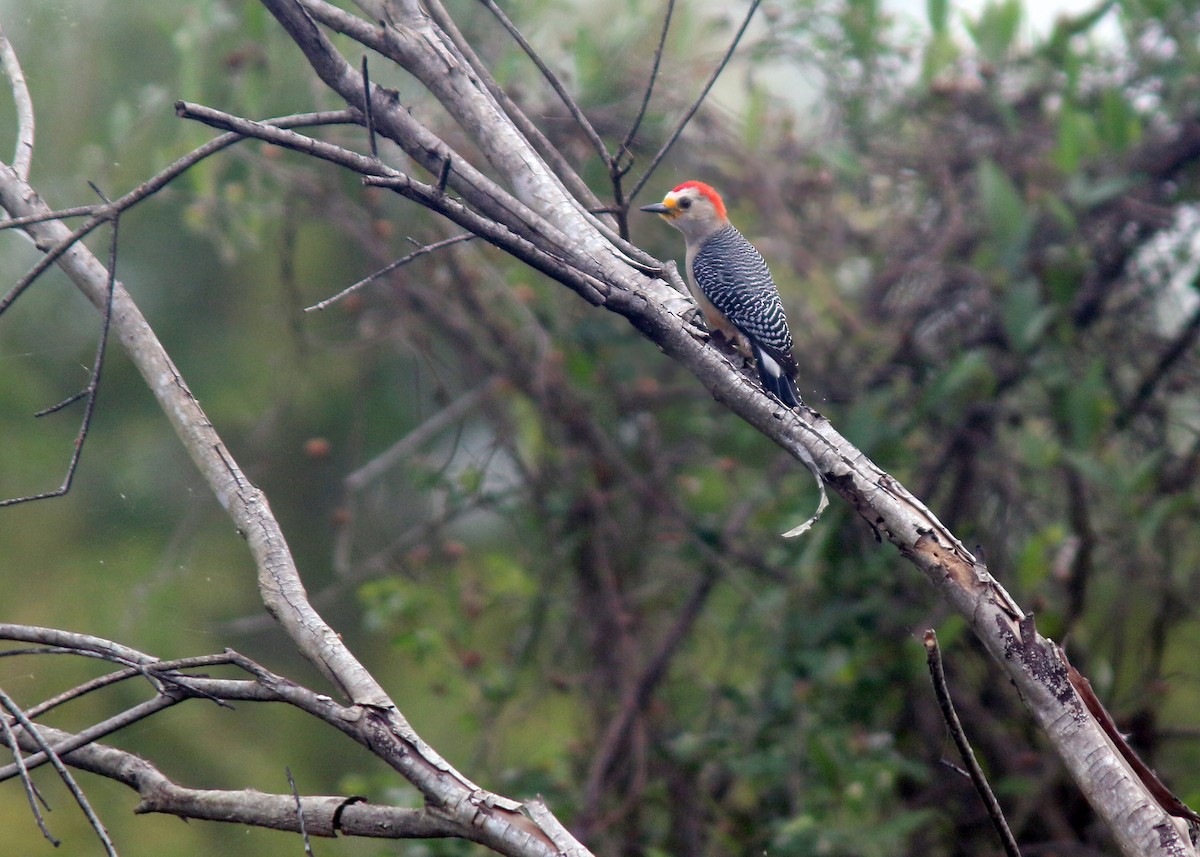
(738, 283)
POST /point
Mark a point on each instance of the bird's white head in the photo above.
(694, 208)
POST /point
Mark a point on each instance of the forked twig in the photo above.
(691, 111)
(658, 53)
(31, 793)
(102, 213)
(49, 753)
(551, 78)
(622, 161)
(89, 392)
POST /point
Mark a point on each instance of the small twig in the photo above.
(369, 110)
(157, 681)
(946, 763)
(83, 689)
(61, 214)
(31, 793)
(555, 84)
(89, 392)
(691, 111)
(100, 214)
(299, 812)
(23, 154)
(156, 672)
(933, 657)
(637, 122)
(622, 161)
(444, 173)
(49, 753)
(387, 269)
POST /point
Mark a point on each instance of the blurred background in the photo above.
(985, 229)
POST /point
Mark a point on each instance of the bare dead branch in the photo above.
(23, 155)
(278, 580)
(691, 111)
(325, 816)
(84, 689)
(61, 214)
(380, 175)
(422, 50)
(581, 254)
(567, 845)
(392, 119)
(589, 288)
(157, 671)
(84, 644)
(94, 733)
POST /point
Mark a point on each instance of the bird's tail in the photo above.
(775, 380)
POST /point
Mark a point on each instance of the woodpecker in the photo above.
(732, 284)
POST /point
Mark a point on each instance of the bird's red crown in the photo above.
(706, 190)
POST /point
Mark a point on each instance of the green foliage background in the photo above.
(985, 240)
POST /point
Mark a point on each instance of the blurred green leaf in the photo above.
(1076, 139)
(968, 378)
(938, 14)
(1086, 406)
(1086, 193)
(1120, 126)
(1033, 565)
(995, 30)
(1066, 27)
(1004, 212)
(755, 112)
(941, 52)
(1024, 315)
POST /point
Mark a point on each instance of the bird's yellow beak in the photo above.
(666, 208)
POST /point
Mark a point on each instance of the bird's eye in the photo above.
(685, 203)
